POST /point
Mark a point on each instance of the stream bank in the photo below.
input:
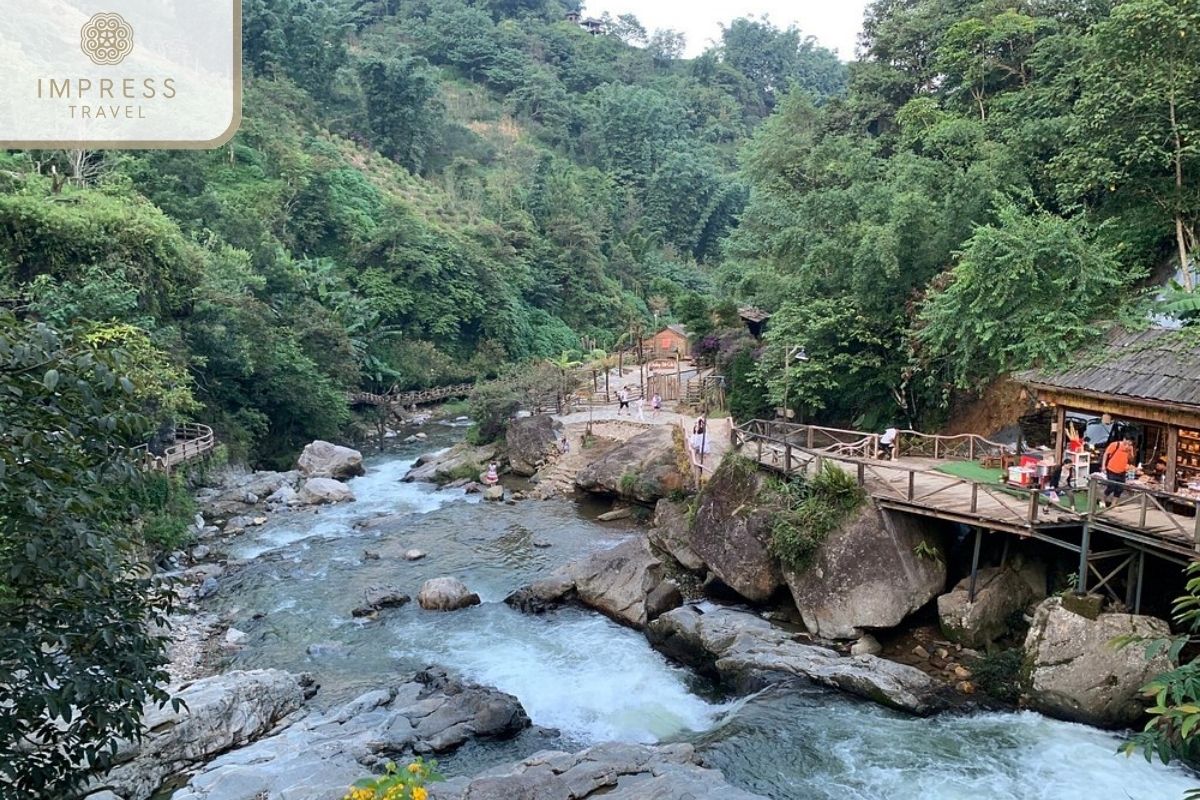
(291, 584)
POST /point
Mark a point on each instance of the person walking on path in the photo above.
(656, 403)
(641, 407)
(623, 400)
(700, 436)
(1117, 458)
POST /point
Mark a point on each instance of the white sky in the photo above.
(835, 23)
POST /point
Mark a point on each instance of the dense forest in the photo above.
(426, 190)
(421, 192)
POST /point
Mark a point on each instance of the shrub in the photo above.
(999, 674)
(812, 510)
(398, 784)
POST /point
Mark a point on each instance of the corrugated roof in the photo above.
(1158, 364)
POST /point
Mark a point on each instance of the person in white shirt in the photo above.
(887, 442)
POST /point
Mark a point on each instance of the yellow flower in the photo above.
(419, 793)
(414, 768)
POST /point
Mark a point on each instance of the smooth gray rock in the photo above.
(451, 463)
(494, 494)
(742, 647)
(446, 594)
(672, 534)
(320, 756)
(732, 530)
(645, 468)
(244, 490)
(1076, 673)
(999, 593)
(322, 459)
(324, 491)
(625, 582)
(222, 712)
(530, 442)
(868, 575)
(611, 771)
(377, 598)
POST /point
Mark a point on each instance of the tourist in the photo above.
(641, 407)
(656, 403)
(1118, 456)
(887, 443)
(623, 400)
(700, 436)
(564, 445)
(493, 476)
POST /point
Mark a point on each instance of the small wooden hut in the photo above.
(1145, 384)
(668, 342)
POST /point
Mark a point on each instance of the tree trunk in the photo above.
(1185, 267)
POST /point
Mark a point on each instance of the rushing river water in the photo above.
(592, 680)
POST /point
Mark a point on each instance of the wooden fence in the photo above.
(192, 440)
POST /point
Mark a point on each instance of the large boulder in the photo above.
(446, 594)
(241, 492)
(327, 460)
(1075, 672)
(218, 714)
(645, 468)
(731, 532)
(871, 572)
(530, 442)
(999, 593)
(463, 460)
(614, 771)
(625, 582)
(320, 756)
(672, 534)
(745, 649)
(324, 491)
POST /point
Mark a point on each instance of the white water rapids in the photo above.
(593, 680)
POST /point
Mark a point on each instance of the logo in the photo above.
(107, 39)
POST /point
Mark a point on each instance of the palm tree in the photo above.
(562, 363)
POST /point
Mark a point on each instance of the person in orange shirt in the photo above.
(1117, 458)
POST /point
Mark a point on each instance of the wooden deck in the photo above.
(913, 484)
(192, 441)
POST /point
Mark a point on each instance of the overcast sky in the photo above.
(835, 23)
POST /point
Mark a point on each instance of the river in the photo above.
(592, 680)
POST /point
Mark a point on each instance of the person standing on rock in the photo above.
(493, 476)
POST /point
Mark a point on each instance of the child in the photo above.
(656, 403)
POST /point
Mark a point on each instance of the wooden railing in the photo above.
(786, 448)
(407, 399)
(192, 440)
(1144, 509)
(960, 447)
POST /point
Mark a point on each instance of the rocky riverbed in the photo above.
(570, 702)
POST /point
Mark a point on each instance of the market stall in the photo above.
(1145, 386)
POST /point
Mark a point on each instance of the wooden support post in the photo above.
(1196, 534)
(1172, 458)
(809, 438)
(1131, 581)
(1084, 545)
(937, 440)
(1060, 433)
(862, 474)
(787, 458)
(974, 497)
(1141, 572)
(1033, 506)
(970, 448)
(912, 476)
(975, 564)
(1004, 552)
(1142, 516)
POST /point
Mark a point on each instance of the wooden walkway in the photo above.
(192, 441)
(409, 399)
(1145, 521)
